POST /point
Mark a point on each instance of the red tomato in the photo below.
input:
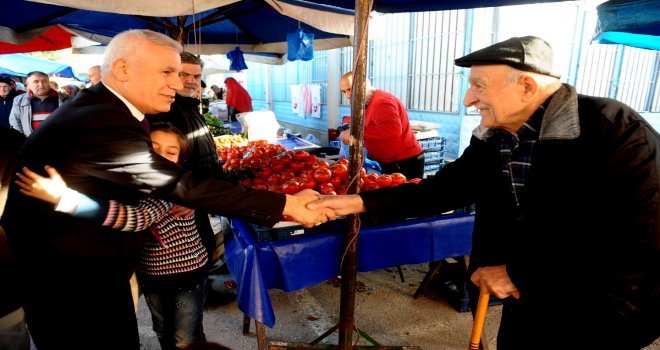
(310, 161)
(322, 163)
(339, 170)
(322, 175)
(260, 187)
(296, 166)
(335, 180)
(398, 179)
(415, 180)
(326, 187)
(286, 176)
(301, 156)
(342, 161)
(309, 183)
(384, 180)
(291, 187)
(284, 158)
(273, 179)
(371, 179)
(277, 166)
(263, 173)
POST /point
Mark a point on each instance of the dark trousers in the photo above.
(410, 167)
(77, 302)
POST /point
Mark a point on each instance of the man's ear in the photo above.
(530, 87)
(120, 69)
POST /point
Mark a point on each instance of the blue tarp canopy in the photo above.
(395, 6)
(21, 64)
(254, 26)
(629, 22)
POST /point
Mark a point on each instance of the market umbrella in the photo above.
(218, 25)
(21, 64)
(629, 22)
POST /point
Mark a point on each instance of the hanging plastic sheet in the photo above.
(300, 46)
(237, 61)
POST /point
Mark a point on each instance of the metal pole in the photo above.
(358, 94)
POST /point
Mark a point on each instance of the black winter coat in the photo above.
(584, 251)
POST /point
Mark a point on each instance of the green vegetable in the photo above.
(216, 126)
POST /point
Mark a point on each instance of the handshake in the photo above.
(309, 208)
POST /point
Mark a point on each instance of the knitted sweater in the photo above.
(175, 246)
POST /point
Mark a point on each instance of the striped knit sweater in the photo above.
(181, 249)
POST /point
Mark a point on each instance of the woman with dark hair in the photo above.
(238, 99)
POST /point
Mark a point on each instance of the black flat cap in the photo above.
(527, 53)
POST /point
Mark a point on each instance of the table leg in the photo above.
(427, 279)
(262, 342)
(398, 268)
(246, 324)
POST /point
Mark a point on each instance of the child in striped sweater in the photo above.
(172, 268)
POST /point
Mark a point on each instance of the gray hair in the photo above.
(127, 43)
(546, 83)
(187, 57)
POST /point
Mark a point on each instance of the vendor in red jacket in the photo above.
(388, 137)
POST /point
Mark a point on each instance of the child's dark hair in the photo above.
(169, 128)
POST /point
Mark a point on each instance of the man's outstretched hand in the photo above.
(296, 208)
(341, 205)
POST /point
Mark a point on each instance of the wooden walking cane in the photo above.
(479, 319)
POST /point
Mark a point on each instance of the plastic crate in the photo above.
(433, 144)
(267, 234)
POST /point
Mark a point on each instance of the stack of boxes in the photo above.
(434, 154)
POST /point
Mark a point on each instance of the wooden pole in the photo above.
(479, 320)
(358, 94)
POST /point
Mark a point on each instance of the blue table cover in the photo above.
(301, 262)
(234, 127)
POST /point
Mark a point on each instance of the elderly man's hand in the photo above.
(495, 280)
(296, 209)
(341, 205)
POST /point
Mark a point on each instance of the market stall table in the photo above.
(300, 262)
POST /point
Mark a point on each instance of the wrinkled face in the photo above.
(496, 96)
(39, 85)
(345, 84)
(150, 78)
(191, 78)
(166, 144)
(94, 75)
(4, 89)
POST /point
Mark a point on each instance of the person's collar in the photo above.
(51, 93)
(134, 111)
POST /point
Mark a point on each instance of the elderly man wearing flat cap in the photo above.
(567, 193)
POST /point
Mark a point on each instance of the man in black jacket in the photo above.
(7, 94)
(567, 193)
(76, 275)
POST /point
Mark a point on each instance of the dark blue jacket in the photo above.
(7, 102)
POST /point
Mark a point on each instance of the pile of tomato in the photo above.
(272, 167)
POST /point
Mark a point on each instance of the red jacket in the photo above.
(388, 136)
